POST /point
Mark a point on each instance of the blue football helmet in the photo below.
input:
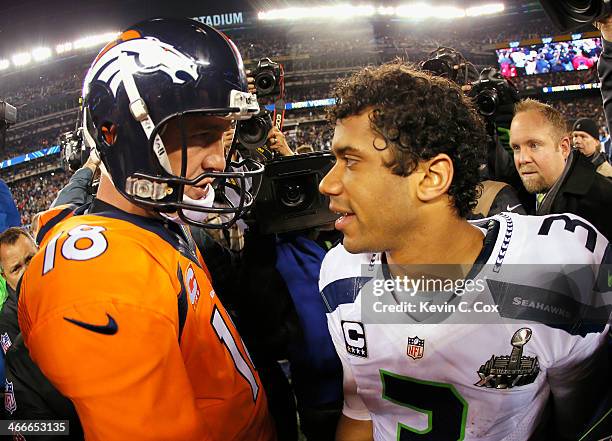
(155, 71)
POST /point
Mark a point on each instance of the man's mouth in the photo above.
(200, 192)
(345, 217)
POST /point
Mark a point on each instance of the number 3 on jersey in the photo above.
(446, 410)
(83, 243)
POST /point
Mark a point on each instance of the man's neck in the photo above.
(451, 241)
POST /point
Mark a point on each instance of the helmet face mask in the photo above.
(158, 72)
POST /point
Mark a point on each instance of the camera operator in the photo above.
(278, 143)
(77, 191)
(283, 315)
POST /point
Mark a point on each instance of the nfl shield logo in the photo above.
(416, 347)
(5, 341)
(192, 286)
(9, 398)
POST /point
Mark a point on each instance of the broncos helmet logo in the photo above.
(146, 54)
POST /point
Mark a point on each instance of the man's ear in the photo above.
(436, 176)
(566, 146)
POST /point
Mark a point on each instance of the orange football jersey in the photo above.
(99, 311)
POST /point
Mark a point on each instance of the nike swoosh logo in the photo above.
(509, 208)
(108, 329)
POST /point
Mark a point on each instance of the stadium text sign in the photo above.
(231, 18)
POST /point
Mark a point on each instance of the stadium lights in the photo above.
(488, 9)
(41, 53)
(86, 42)
(417, 11)
(386, 10)
(423, 10)
(22, 59)
(342, 11)
(44, 53)
(94, 40)
(61, 48)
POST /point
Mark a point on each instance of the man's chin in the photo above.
(355, 247)
(534, 187)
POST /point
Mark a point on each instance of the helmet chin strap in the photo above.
(139, 111)
(197, 216)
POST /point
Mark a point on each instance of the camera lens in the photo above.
(486, 101)
(264, 83)
(253, 133)
(580, 6)
(292, 195)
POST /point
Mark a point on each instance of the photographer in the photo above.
(78, 190)
(283, 316)
(278, 143)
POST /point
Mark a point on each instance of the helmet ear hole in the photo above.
(109, 133)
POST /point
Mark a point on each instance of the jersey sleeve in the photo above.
(44, 221)
(354, 407)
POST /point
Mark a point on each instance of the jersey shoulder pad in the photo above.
(44, 221)
(344, 274)
(563, 238)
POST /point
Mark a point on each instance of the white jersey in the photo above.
(472, 375)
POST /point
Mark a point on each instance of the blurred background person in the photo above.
(585, 137)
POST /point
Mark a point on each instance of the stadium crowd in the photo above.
(35, 194)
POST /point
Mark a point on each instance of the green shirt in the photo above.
(3, 292)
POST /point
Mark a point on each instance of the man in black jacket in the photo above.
(585, 137)
(540, 140)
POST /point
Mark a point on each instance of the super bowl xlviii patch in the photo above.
(355, 338)
(507, 371)
(415, 348)
(5, 341)
(9, 398)
(192, 286)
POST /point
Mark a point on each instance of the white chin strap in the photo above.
(197, 216)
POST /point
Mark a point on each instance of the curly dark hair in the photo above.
(419, 116)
